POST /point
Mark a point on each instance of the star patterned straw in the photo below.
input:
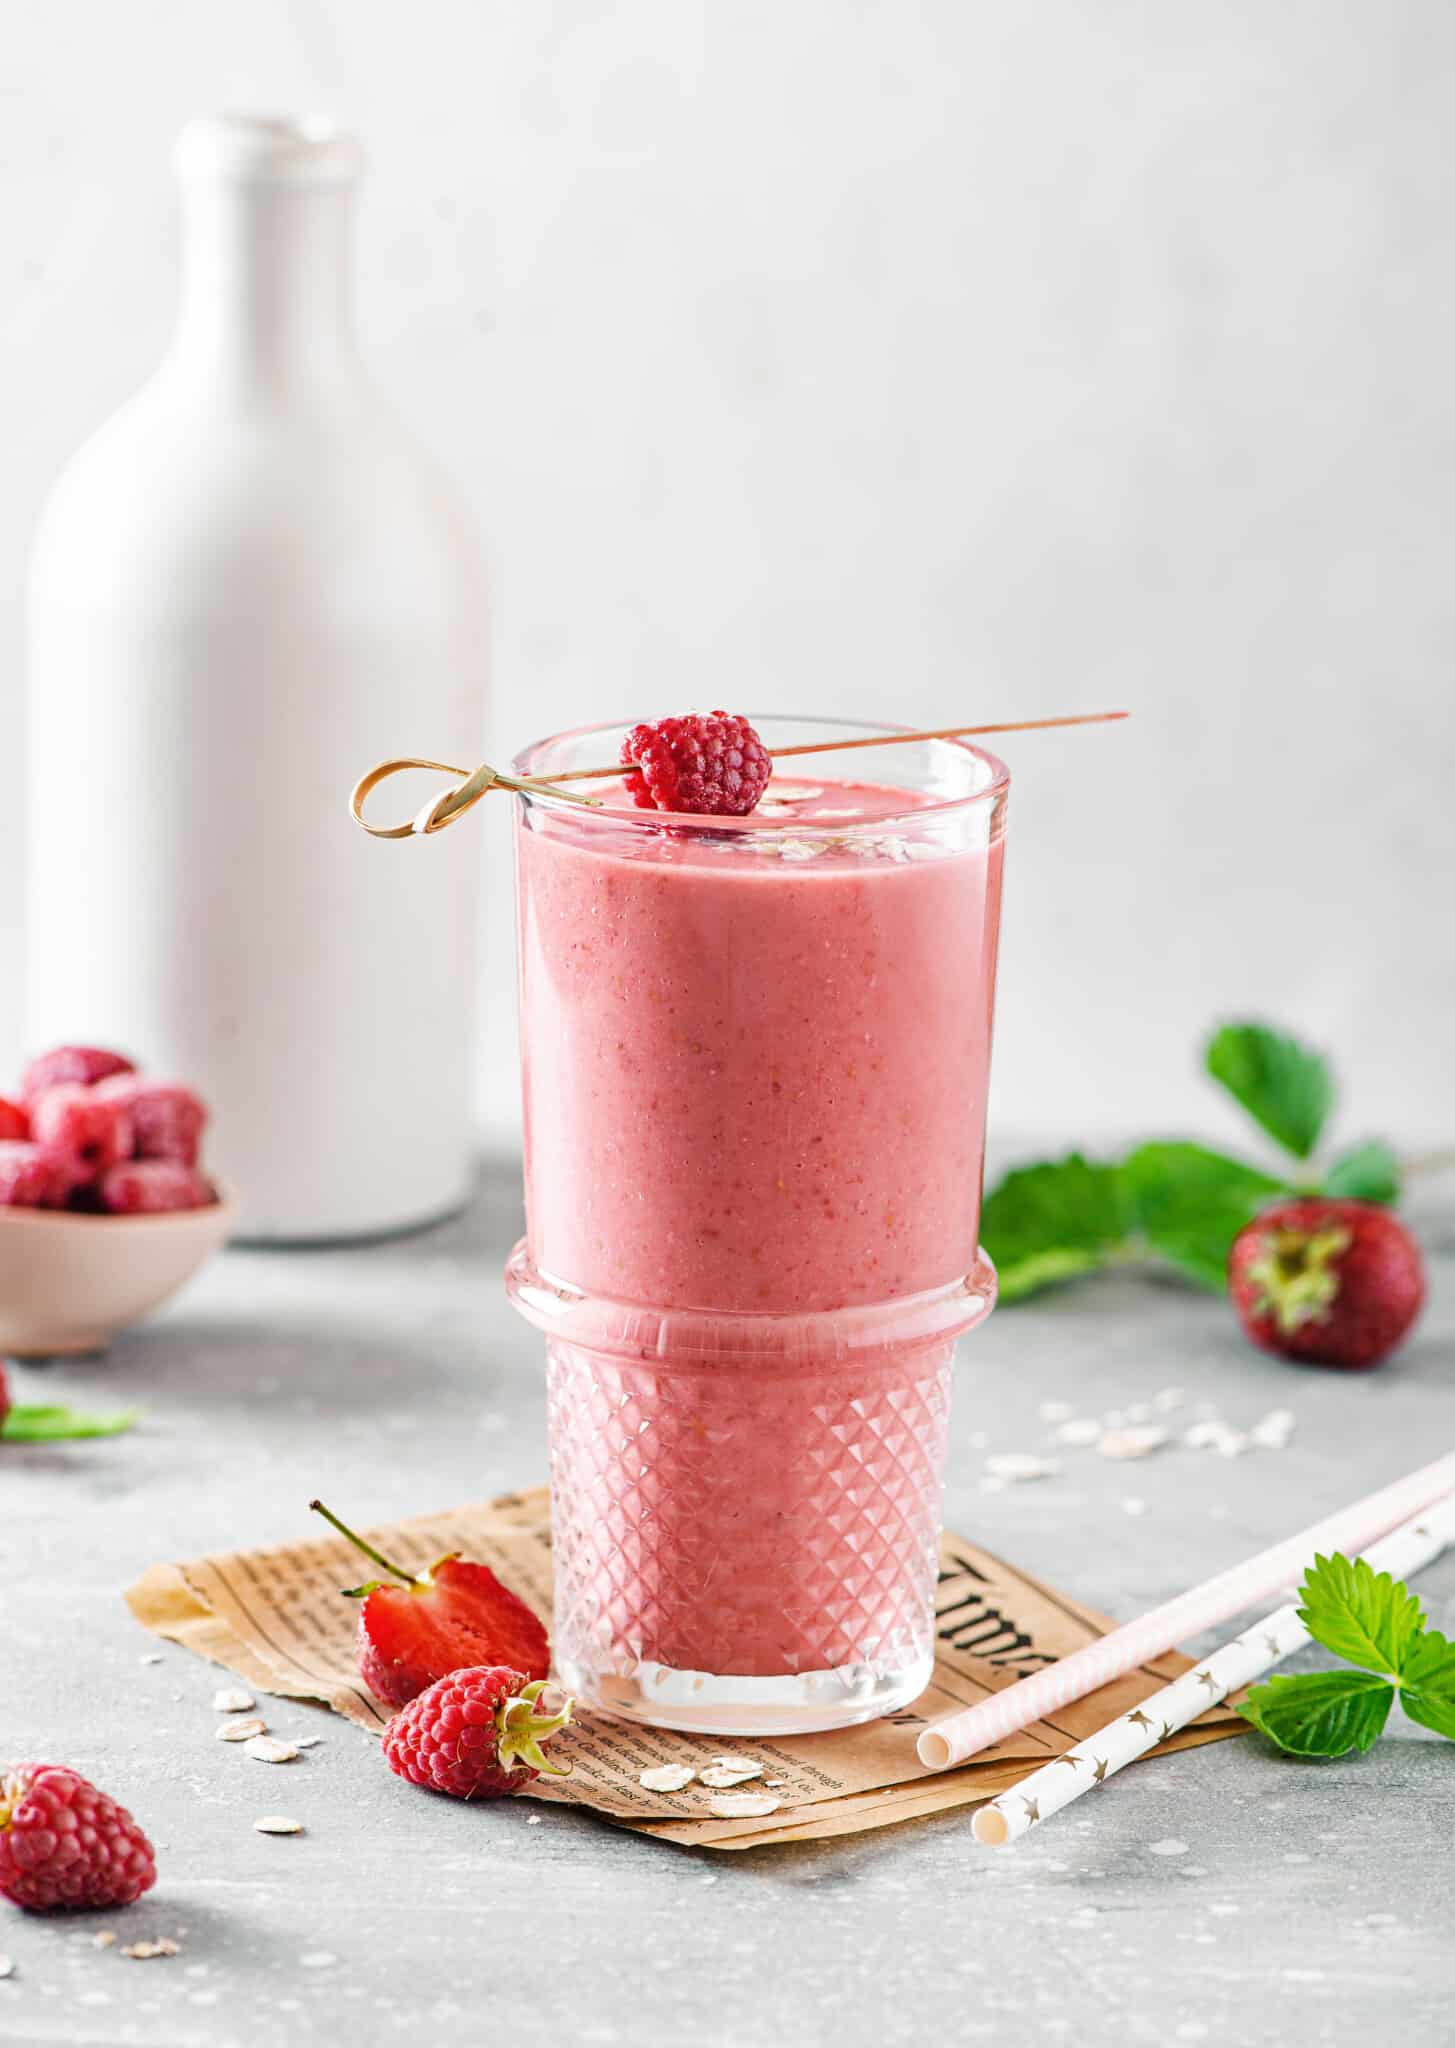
(1229, 1668)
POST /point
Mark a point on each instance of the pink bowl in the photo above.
(68, 1283)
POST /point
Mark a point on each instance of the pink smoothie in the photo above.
(755, 1082)
(755, 1075)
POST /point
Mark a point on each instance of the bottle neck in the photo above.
(266, 216)
(265, 293)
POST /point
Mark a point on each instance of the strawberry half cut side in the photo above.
(422, 1627)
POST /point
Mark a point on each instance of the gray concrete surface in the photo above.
(1310, 1904)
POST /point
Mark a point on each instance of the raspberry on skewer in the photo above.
(710, 763)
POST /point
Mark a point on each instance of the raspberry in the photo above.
(167, 1120)
(14, 1123)
(32, 1176)
(714, 763)
(63, 1843)
(82, 1064)
(475, 1734)
(85, 1127)
(151, 1187)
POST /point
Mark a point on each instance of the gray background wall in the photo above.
(911, 358)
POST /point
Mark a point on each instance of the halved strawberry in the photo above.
(455, 1614)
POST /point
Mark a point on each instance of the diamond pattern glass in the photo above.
(667, 1552)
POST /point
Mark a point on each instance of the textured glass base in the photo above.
(746, 1508)
(700, 1703)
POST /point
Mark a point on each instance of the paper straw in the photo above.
(1230, 1667)
(962, 1735)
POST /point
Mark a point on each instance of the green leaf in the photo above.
(1368, 1617)
(1052, 1222)
(1431, 1709)
(1321, 1713)
(1428, 1660)
(1427, 1683)
(1365, 1173)
(50, 1425)
(1190, 1204)
(1288, 1087)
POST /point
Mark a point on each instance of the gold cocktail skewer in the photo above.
(466, 793)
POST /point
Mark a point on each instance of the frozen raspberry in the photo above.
(63, 1843)
(475, 1734)
(32, 1176)
(714, 763)
(167, 1120)
(150, 1187)
(77, 1121)
(81, 1064)
(14, 1123)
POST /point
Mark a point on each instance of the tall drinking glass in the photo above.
(755, 1055)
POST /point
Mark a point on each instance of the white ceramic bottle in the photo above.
(246, 588)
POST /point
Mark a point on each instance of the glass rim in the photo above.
(527, 763)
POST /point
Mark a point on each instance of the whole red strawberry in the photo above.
(476, 1734)
(711, 762)
(456, 1613)
(1327, 1282)
(63, 1843)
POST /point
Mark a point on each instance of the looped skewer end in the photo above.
(425, 821)
(452, 803)
(455, 802)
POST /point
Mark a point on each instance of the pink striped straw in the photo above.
(963, 1735)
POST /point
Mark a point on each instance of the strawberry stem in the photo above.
(359, 1543)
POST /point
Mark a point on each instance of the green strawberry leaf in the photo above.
(1052, 1222)
(1286, 1086)
(1367, 1617)
(1190, 1204)
(1321, 1713)
(52, 1425)
(1427, 1659)
(1431, 1710)
(1365, 1173)
(1427, 1683)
